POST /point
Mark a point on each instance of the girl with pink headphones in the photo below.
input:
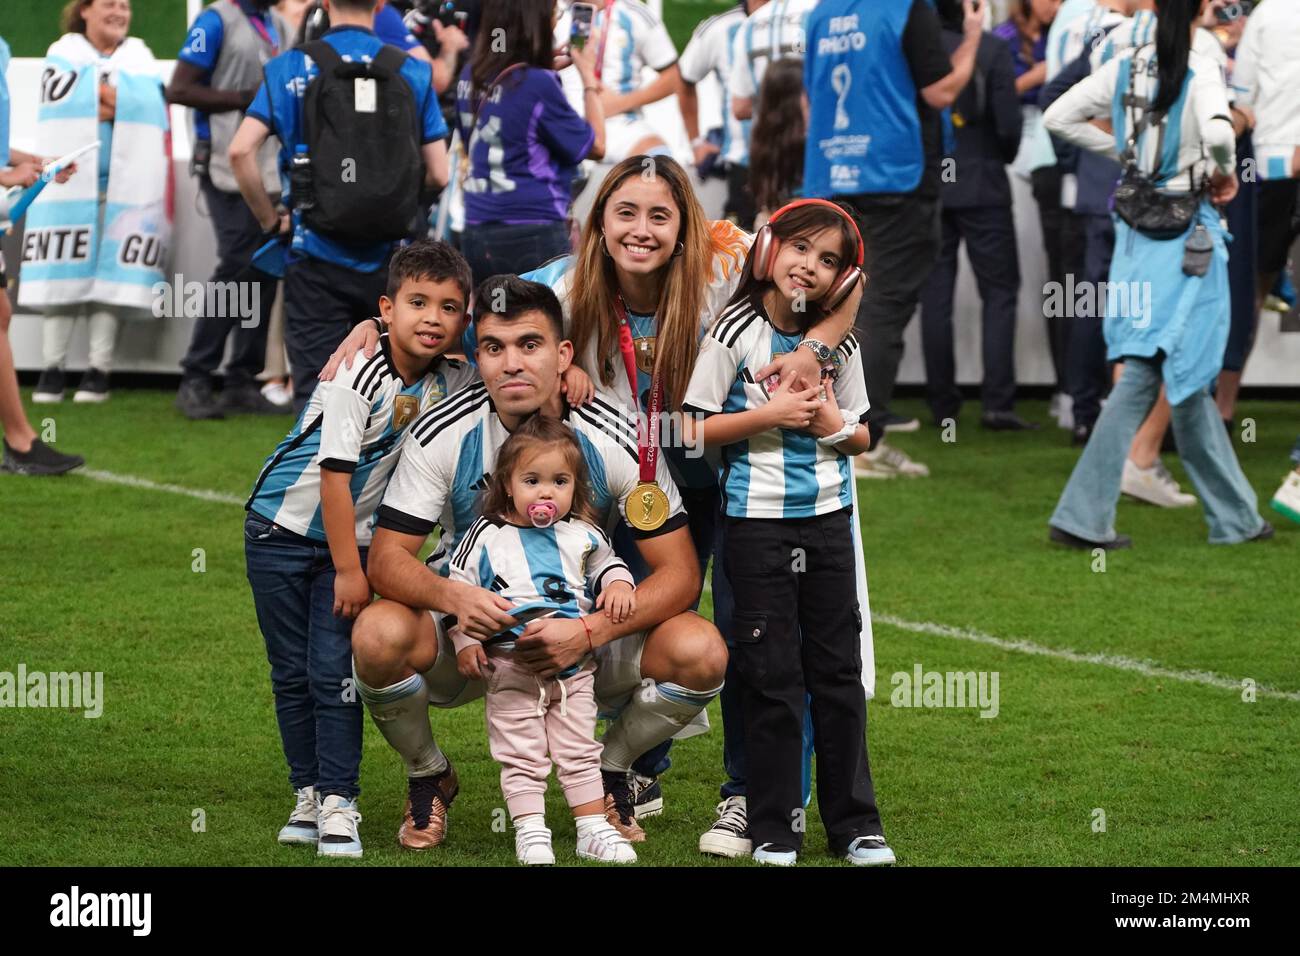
(786, 447)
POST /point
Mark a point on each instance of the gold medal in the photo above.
(646, 507)
(405, 408)
(644, 350)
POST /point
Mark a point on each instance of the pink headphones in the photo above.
(766, 246)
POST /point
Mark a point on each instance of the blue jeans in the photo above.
(1087, 505)
(494, 248)
(310, 652)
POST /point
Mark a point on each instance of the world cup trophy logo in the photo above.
(841, 80)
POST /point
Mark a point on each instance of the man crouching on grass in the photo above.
(308, 531)
(657, 669)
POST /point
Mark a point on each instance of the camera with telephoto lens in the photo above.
(1230, 12)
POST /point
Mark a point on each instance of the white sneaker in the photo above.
(775, 855)
(1062, 409)
(887, 462)
(1154, 485)
(602, 843)
(338, 827)
(1286, 500)
(870, 851)
(277, 394)
(533, 845)
(301, 827)
(729, 836)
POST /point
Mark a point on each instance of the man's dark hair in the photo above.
(507, 297)
(431, 260)
(356, 6)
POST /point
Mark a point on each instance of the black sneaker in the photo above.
(1263, 534)
(618, 805)
(647, 796)
(1118, 543)
(897, 423)
(1007, 422)
(40, 459)
(195, 400)
(248, 400)
(729, 836)
(93, 387)
(50, 387)
(1079, 437)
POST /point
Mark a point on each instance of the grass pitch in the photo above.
(96, 576)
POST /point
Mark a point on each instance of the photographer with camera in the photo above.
(524, 140)
(216, 75)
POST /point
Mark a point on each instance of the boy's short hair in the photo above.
(507, 297)
(432, 260)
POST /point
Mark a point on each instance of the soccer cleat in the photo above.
(1080, 434)
(647, 796)
(618, 805)
(870, 851)
(338, 827)
(729, 836)
(93, 387)
(50, 387)
(776, 854)
(1117, 543)
(195, 400)
(40, 459)
(1286, 500)
(899, 423)
(604, 844)
(1154, 485)
(302, 825)
(1265, 533)
(533, 845)
(424, 824)
(887, 462)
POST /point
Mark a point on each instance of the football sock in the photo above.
(401, 712)
(654, 714)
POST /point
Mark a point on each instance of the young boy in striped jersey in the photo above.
(788, 551)
(539, 545)
(309, 525)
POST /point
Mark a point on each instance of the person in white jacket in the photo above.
(1168, 105)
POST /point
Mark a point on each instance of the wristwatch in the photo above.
(820, 349)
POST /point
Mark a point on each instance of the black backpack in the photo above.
(362, 173)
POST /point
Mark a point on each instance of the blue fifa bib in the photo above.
(864, 135)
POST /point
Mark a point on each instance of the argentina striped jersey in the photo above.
(353, 424)
(452, 449)
(779, 473)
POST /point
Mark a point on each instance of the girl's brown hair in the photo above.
(537, 434)
(777, 142)
(592, 315)
(801, 221)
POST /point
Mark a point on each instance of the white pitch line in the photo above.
(1113, 661)
(131, 481)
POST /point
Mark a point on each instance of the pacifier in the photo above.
(543, 513)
